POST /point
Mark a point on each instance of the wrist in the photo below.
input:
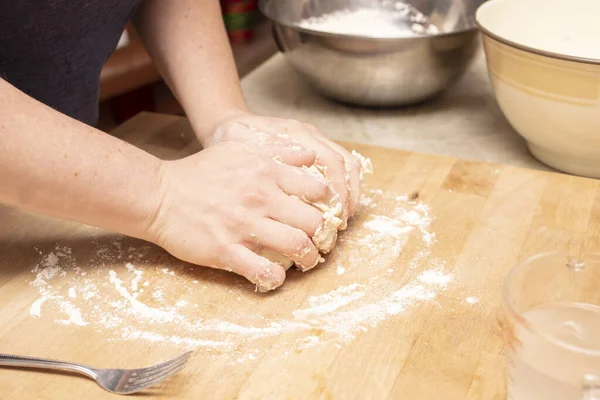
(146, 215)
(205, 126)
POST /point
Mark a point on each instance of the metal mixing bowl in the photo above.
(377, 71)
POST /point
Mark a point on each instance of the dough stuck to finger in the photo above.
(325, 236)
(284, 261)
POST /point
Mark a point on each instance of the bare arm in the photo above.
(55, 165)
(188, 41)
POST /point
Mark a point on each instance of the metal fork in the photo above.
(119, 381)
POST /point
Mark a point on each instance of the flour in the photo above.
(307, 342)
(435, 277)
(387, 225)
(73, 315)
(391, 21)
(36, 308)
(330, 302)
(138, 276)
(116, 296)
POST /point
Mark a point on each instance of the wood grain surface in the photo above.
(444, 344)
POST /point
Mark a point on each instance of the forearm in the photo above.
(54, 165)
(188, 41)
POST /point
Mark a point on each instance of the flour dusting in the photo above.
(394, 19)
(124, 297)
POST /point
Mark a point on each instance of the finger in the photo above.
(337, 159)
(295, 156)
(266, 275)
(355, 186)
(353, 170)
(295, 213)
(299, 182)
(290, 242)
(336, 173)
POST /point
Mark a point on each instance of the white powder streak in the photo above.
(330, 302)
(36, 307)
(109, 301)
(138, 308)
(73, 314)
(132, 334)
(387, 225)
(434, 277)
(138, 276)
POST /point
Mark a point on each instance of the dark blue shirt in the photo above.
(54, 50)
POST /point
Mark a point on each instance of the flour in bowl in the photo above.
(402, 20)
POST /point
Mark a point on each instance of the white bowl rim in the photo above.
(558, 56)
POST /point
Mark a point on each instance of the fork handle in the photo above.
(9, 360)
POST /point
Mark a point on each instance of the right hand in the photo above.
(221, 206)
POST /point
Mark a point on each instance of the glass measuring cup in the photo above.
(552, 328)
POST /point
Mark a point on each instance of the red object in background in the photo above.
(240, 18)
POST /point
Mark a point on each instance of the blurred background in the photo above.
(130, 83)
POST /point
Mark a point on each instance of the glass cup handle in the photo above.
(591, 387)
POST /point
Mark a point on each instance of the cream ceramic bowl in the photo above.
(543, 58)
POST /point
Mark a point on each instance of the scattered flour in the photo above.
(36, 307)
(435, 277)
(111, 299)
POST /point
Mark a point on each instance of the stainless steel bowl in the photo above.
(371, 71)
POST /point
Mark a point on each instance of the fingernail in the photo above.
(264, 281)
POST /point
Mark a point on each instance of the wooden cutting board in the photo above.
(408, 306)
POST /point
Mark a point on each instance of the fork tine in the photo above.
(156, 369)
(143, 371)
(137, 386)
(153, 374)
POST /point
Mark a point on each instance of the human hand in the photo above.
(343, 169)
(221, 207)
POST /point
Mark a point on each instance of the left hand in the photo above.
(343, 168)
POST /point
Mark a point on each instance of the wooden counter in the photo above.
(407, 307)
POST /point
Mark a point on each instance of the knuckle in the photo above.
(321, 190)
(340, 158)
(262, 167)
(337, 158)
(253, 196)
(310, 127)
(237, 218)
(223, 250)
